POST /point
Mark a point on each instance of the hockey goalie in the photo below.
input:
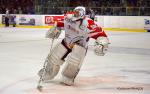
(72, 49)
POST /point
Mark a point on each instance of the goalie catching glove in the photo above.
(53, 32)
(101, 46)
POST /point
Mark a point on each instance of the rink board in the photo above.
(110, 23)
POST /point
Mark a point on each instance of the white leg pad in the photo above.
(50, 71)
(57, 53)
(73, 64)
(53, 62)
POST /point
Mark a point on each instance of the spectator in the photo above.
(14, 20)
(7, 18)
(91, 14)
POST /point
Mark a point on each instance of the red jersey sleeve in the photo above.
(96, 31)
(60, 24)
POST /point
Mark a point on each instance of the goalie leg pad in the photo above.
(56, 55)
(53, 62)
(73, 64)
(50, 71)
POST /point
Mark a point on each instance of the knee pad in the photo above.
(74, 62)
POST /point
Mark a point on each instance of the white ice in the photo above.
(125, 69)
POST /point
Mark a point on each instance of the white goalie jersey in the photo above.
(79, 31)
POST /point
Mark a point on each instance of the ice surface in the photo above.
(125, 69)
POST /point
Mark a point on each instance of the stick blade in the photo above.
(39, 88)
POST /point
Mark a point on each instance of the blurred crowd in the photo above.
(120, 3)
(17, 6)
(100, 7)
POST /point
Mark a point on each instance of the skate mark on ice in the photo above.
(3, 89)
(126, 50)
(22, 41)
(105, 84)
(83, 85)
(137, 71)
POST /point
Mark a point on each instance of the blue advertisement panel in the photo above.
(23, 20)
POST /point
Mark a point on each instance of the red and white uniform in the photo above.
(79, 31)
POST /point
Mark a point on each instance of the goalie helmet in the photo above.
(79, 12)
